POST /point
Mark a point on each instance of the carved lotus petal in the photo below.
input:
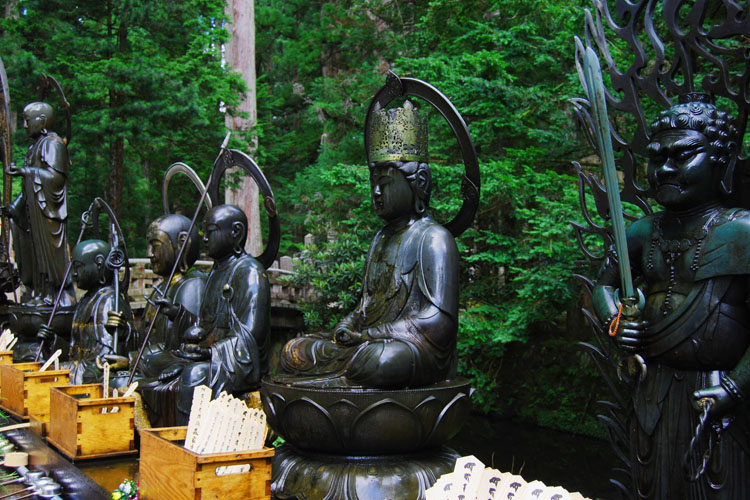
(450, 419)
(344, 413)
(429, 410)
(399, 429)
(272, 405)
(307, 425)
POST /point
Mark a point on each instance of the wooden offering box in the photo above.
(25, 390)
(168, 470)
(6, 358)
(82, 423)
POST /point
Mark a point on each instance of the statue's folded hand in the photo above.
(194, 352)
(631, 335)
(116, 362)
(167, 308)
(346, 337)
(12, 169)
(170, 372)
(45, 333)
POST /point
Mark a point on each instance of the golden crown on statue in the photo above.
(397, 134)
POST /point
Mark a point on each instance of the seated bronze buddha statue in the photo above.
(402, 332)
(366, 409)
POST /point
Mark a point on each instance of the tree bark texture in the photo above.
(240, 57)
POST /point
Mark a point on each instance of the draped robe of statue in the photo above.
(40, 215)
(186, 290)
(687, 349)
(90, 338)
(408, 310)
(235, 314)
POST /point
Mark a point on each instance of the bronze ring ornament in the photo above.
(395, 87)
(182, 168)
(233, 158)
(118, 255)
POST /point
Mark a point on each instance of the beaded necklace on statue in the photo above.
(672, 250)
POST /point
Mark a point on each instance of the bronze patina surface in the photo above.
(679, 365)
(366, 408)
(185, 292)
(224, 346)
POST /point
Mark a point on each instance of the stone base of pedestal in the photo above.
(306, 476)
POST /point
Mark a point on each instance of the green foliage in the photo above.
(146, 73)
(508, 68)
(150, 73)
(339, 217)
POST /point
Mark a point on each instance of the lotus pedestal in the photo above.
(352, 444)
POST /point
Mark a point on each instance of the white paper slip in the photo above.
(555, 493)
(513, 488)
(489, 485)
(51, 360)
(533, 490)
(469, 471)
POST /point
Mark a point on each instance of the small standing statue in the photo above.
(402, 332)
(102, 322)
(226, 347)
(39, 214)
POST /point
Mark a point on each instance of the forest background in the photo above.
(147, 88)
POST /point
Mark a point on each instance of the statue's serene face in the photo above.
(85, 270)
(160, 251)
(34, 120)
(87, 264)
(217, 234)
(680, 170)
(392, 196)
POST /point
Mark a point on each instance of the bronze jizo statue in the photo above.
(690, 340)
(226, 346)
(39, 214)
(102, 323)
(185, 292)
(165, 237)
(402, 332)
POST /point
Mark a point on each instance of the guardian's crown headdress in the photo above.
(397, 134)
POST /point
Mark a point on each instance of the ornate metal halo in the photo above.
(233, 158)
(182, 168)
(45, 84)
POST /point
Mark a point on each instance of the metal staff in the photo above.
(85, 222)
(176, 264)
(595, 88)
(115, 261)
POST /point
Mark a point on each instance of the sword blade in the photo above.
(595, 85)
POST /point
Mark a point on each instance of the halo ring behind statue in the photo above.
(182, 168)
(97, 206)
(396, 86)
(233, 158)
(45, 84)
